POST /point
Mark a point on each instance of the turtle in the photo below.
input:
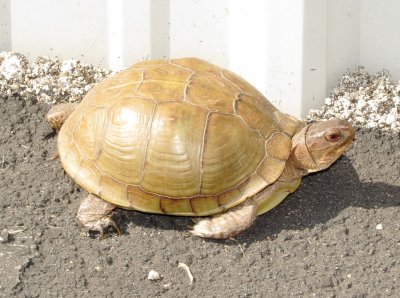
(186, 137)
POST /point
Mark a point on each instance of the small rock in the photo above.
(379, 226)
(153, 275)
(328, 101)
(390, 119)
(167, 285)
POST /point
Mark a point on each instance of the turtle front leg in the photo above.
(59, 113)
(228, 224)
(95, 214)
(56, 117)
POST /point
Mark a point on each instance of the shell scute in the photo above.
(173, 158)
(197, 65)
(113, 189)
(124, 149)
(212, 93)
(142, 201)
(202, 205)
(89, 131)
(161, 90)
(256, 115)
(230, 155)
(167, 73)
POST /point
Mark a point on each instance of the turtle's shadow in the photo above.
(151, 221)
(321, 197)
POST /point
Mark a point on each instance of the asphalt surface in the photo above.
(337, 236)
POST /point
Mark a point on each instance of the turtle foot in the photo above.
(100, 225)
(95, 215)
(227, 224)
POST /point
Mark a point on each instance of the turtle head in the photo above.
(318, 145)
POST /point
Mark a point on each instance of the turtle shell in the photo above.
(179, 137)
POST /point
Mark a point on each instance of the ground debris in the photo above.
(368, 101)
(186, 268)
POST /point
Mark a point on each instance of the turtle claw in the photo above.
(189, 229)
(116, 227)
(100, 225)
(101, 236)
(196, 219)
(55, 156)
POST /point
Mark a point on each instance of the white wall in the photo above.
(67, 28)
(5, 28)
(199, 28)
(314, 57)
(294, 51)
(343, 38)
(380, 36)
(129, 32)
(265, 47)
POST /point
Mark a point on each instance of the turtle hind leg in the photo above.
(228, 224)
(95, 214)
(59, 113)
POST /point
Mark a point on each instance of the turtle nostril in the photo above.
(333, 137)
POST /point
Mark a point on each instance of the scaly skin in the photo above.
(95, 214)
(228, 224)
(59, 113)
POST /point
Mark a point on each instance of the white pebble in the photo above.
(379, 227)
(390, 119)
(328, 101)
(360, 104)
(153, 275)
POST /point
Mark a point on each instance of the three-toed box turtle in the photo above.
(186, 137)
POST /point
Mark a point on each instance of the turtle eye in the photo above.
(333, 137)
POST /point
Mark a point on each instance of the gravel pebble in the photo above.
(153, 275)
(49, 80)
(367, 101)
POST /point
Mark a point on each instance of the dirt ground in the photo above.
(337, 236)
